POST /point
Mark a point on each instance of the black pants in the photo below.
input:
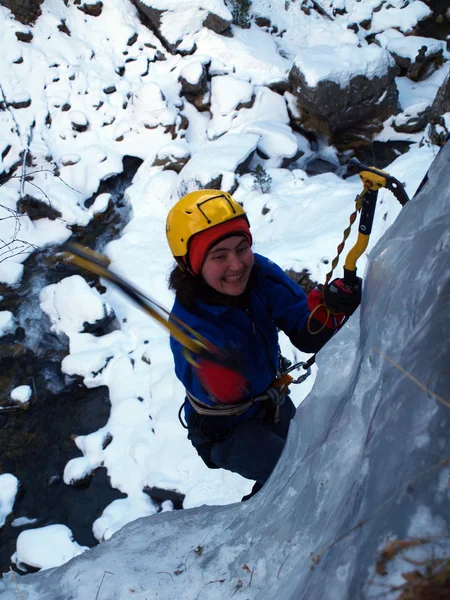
(251, 448)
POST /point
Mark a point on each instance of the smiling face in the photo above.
(228, 264)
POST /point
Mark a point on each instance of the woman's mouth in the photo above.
(233, 278)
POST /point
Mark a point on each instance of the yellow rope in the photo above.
(358, 205)
(313, 312)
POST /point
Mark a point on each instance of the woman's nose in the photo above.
(234, 262)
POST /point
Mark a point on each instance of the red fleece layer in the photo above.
(203, 241)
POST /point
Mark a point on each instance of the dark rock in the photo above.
(419, 67)
(103, 326)
(280, 87)
(199, 87)
(36, 209)
(438, 132)
(171, 163)
(19, 61)
(70, 160)
(110, 89)
(23, 36)
(80, 127)
(161, 495)
(317, 166)
(201, 102)
(6, 151)
(153, 17)
(25, 11)
(329, 108)
(263, 22)
(21, 104)
(107, 440)
(133, 39)
(247, 104)
(152, 14)
(93, 10)
(366, 24)
(412, 123)
(441, 104)
(290, 160)
(216, 23)
(63, 27)
(65, 107)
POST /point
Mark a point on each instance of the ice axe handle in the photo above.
(350, 278)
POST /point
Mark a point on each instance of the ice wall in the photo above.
(365, 460)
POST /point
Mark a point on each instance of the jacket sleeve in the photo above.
(290, 312)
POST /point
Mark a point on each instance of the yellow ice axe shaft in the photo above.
(98, 264)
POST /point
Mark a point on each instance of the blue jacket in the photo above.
(275, 301)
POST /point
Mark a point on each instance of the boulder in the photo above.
(194, 78)
(164, 22)
(416, 56)
(412, 120)
(93, 9)
(173, 156)
(338, 88)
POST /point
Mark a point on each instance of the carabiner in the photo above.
(301, 378)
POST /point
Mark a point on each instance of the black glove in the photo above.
(341, 298)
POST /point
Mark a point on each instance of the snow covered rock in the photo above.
(92, 8)
(194, 78)
(21, 395)
(173, 156)
(9, 485)
(216, 164)
(337, 88)
(173, 20)
(46, 547)
(414, 55)
(7, 322)
(152, 110)
(73, 306)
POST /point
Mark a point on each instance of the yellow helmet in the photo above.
(196, 212)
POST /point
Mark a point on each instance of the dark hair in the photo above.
(191, 288)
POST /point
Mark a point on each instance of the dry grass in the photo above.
(426, 579)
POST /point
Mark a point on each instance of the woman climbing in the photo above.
(238, 300)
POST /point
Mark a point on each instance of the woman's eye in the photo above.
(219, 257)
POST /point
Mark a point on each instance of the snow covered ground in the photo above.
(93, 97)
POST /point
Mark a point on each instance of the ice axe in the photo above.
(373, 180)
